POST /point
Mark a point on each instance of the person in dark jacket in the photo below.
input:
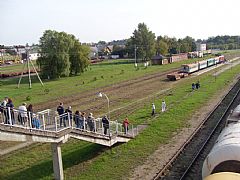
(69, 114)
(77, 119)
(60, 110)
(30, 114)
(105, 123)
(10, 112)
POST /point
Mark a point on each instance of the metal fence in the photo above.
(49, 120)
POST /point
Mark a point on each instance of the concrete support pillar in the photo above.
(57, 161)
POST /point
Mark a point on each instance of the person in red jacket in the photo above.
(125, 125)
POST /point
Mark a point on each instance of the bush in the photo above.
(28, 98)
(46, 91)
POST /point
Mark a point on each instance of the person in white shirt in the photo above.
(3, 108)
(153, 109)
(23, 113)
(163, 106)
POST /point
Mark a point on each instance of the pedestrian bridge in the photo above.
(49, 130)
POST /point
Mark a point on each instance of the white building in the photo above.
(201, 47)
(34, 56)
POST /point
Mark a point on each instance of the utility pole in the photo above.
(135, 53)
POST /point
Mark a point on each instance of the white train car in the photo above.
(202, 64)
(225, 154)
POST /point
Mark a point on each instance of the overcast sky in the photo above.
(24, 21)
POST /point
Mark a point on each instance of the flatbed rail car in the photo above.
(176, 76)
(187, 69)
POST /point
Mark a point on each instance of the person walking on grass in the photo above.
(163, 106)
(153, 109)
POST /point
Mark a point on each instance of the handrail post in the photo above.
(30, 120)
(116, 127)
(68, 114)
(84, 124)
(109, 128)
(95, 127)
(55, 123)
(9, 115)
(44, 125)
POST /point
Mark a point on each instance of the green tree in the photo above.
(161, 46)
(79, 58)
(56, 48)
(145, 42)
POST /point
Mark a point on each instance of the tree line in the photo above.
(61, 54)
(145, 44)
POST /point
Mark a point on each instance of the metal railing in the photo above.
(50, 121)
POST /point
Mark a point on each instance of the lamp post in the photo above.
(100, 94)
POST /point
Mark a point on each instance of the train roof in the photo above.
(193, 64)
(223, 176)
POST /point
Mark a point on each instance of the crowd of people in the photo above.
(26, 117)
(85, 122)
(25, 114)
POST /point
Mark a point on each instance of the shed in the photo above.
(159, 60)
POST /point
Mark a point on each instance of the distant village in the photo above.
(98, 52)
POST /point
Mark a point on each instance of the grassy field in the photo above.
(97, 75)
(83, 160)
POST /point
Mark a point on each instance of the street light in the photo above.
(100, 94)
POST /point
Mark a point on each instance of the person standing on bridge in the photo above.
(10, 112)
(90, 122)
(83, 121)
(105, 123)
(23, 114)
(77, 119)
(69, 113)
(125, 125)
(30, 113)
(60, 110)
(3, 108)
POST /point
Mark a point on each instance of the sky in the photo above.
(24, 21)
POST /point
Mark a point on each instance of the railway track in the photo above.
(188, 160)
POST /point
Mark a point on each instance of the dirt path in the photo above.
(128, 91)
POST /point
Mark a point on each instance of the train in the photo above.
(187, 69)
(224, 159)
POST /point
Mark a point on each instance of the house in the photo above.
(93, 52)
